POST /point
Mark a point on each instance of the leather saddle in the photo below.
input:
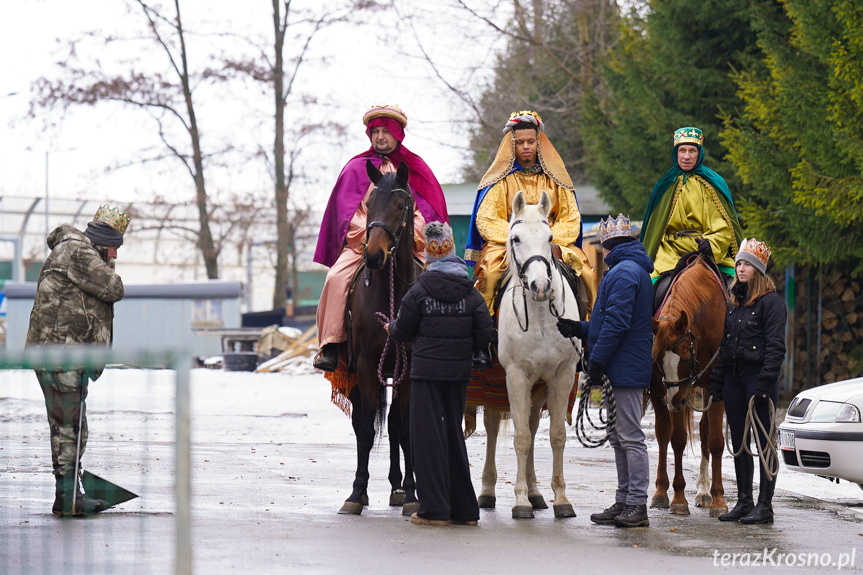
(666, 279)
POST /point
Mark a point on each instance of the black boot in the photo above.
(607, 516)
(743, 469)
(481, 360)
(763, 512)
(328, 358)
(633, 516)
(68, 489)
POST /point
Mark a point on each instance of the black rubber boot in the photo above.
(481, 360)
(328, 358)
(763, 512)
(63, 498)
(743, 469)
(607, 516)
(633, 516)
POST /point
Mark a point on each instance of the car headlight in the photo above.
(848, 414)
(826, 411)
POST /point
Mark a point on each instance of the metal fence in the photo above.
(139, 437)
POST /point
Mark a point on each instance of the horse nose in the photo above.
(375, 260)
(540, 289)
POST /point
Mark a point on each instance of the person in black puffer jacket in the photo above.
(749, 364)
(450, 322)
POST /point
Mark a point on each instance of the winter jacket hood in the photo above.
(632, 251)
(445, 287)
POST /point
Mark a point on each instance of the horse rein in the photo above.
(400, 368)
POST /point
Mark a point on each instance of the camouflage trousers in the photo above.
(63, 400)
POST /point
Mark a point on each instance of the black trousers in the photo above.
(737, 391)
(441, 466)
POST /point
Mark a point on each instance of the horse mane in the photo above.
(691, 291)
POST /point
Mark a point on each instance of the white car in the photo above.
(823, 433)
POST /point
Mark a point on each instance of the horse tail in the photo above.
(381, 412)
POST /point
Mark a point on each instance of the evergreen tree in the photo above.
(670, 69)
(797, 141)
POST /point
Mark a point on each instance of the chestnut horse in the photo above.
(389, 273)
(688, 329)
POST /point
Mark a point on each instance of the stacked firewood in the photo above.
(827, 321)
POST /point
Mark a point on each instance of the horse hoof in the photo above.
(680, 508)
(717, 511)
(659, 502)
(409, 508)
(564, 510)
(351, 508)
(703, 500)
(397, 498)
(365, 499)
(537, 502)
(522, 512)
(486, 501)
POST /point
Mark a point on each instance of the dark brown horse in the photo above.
(389, 272)
(688, 330)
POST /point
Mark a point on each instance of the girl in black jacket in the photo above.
(749, 364)
(450, 321)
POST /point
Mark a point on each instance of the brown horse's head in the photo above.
(688, 332)
(390, 214)
(673, 347)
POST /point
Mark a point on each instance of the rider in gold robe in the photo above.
(690, 209)
(526, 161)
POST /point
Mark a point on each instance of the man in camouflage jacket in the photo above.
(74, 305)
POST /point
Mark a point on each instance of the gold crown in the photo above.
(386, 111)
(757, 249)
(614, 227)
(112, 217)
(689, 136)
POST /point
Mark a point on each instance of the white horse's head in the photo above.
(528, 248)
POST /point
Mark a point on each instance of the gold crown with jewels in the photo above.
(614, 227)
(757, 249)
(689, 136)
(113, 217)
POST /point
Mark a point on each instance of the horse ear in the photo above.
(655, 326)
(402, 175)
(373, 172)
(545, 204)
(683, 321)
(518, 203)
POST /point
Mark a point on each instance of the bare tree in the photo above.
(167, 98)
(294, 30)
(547, 58)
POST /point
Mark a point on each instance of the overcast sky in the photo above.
(354, 68)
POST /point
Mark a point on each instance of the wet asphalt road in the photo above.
(272, 462)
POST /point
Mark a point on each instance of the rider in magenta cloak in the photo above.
(353, 183)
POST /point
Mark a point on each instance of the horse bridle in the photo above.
(520, 271)
(395, 236)
(693, 361)
(694, 374)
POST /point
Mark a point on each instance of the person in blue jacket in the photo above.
(619, 341)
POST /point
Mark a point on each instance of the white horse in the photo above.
(531, 349)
